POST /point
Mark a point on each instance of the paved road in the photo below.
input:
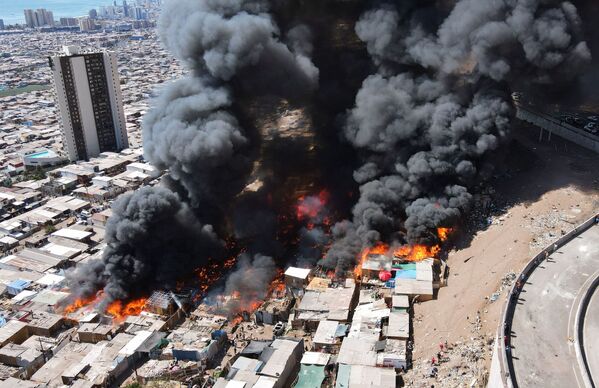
(591, 336)
(543, 355)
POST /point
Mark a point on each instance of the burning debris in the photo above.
(153, 238)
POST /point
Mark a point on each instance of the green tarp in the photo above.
(310, 376)
(343, 376)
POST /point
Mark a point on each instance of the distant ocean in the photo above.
(11, 11)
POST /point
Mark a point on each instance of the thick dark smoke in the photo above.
(507, 40)
(439, 104)
(236, 40)
(190, 132)
(193, 132)
(152, 239)
(248, 283)
(423, 127)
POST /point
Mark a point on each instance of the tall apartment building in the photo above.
(30, 19)
(69, 22)
(88, 93)
(38, 18)
(86, 24)
(1, 24)
(139, 13)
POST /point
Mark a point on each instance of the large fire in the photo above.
(77, 304)
(417, 252)
(120, 311)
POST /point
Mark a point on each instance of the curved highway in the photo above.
(541, 339)
(590, 332)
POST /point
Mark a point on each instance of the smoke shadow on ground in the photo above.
(532, 169)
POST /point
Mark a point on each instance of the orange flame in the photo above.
(250, 303)
(416, 252)
(443, 233)
(379, 249)
(121, 311)
(236, 321)
(77, 304)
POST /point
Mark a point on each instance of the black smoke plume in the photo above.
(433, 107)
(152, 239)
(425, 124)
(193, 131)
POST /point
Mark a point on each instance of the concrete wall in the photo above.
(556, 126)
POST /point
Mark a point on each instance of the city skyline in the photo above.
(13, 13)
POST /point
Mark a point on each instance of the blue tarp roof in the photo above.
(406, 274)
(19, 284)
(341, 330)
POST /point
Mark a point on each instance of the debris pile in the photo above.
(548, 227)
(506, 282)
(461, 364)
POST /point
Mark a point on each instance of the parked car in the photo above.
(591, 127)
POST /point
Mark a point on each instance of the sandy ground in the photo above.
(553, 188)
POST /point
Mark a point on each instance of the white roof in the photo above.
(300, 273)
(102, 178)
(413, 287)
(357, 351)
(235, 384)
(315, 358)
(265, 382)
(60, 250)
(325, 333)
(8, 240)
(73, 234)
(399, 325)
(50, 297)
(245, 363)
(401, 301)
(137, 341)
(277, 362)
(50, 279)
(365, 376)
(25, 294)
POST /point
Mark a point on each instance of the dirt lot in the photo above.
(551, 187)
